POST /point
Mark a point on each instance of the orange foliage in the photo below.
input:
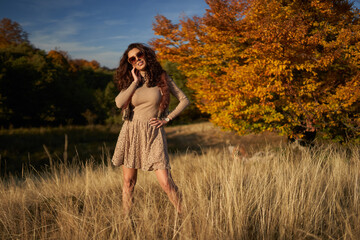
(62, 58)
(11, 33)
(271, 65)
(58, 58)
(82, 63)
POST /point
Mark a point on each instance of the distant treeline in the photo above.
(40, 88)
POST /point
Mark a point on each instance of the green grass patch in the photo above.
(24, 147)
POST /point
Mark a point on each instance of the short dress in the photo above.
(140, 145)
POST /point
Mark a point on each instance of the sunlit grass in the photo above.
(278, 193)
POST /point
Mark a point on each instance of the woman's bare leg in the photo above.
(170, 188)
(129, 177)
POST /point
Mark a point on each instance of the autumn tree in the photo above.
(271, 64)
(82, 63)
(11, 33)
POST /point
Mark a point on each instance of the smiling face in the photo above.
(137, 59)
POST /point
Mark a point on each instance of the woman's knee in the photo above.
(129, 177)
(129, 182)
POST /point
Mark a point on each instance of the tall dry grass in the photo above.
(279, 193)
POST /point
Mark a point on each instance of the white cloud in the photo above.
(58, 30)
(119, 37)
(48, 5)
(71, 47)
(108, 59)
(115, 22)
(65, 30)
(77, 49)
(26, 24)
(60, 33)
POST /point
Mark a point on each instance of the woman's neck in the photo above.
(143, 73)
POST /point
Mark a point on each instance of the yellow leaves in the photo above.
(346, 96)
(322, 6)
(306, 66)
(274, 67)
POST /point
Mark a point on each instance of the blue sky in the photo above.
(94, 29)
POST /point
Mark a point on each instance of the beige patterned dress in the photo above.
(140, 145)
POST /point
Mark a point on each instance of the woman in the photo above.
(144, 97)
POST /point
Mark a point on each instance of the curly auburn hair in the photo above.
(157, 75)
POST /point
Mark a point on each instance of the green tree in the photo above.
(192, 112)
(108, 104)
(23, 82)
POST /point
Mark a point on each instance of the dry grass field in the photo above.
(278, 192)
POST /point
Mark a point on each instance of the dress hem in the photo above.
(144, 169)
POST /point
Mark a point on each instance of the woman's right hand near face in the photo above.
(135, 74)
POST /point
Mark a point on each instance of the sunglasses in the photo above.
(134, 59)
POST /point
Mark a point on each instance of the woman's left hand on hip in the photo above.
(157, 122)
